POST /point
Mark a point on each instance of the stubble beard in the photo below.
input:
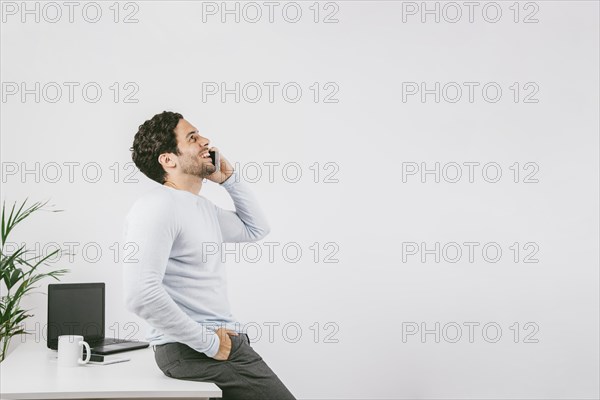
(196, 167)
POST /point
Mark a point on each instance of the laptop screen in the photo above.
(75, 309)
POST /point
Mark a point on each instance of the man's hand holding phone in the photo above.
(224, 168)
(225, 346)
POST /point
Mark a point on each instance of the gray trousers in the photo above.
(244, 375)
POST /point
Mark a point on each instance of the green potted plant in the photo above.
(18, 274)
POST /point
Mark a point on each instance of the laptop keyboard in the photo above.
(107, 341)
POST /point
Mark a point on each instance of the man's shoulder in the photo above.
(155, 199)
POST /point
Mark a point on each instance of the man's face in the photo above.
(192, 147)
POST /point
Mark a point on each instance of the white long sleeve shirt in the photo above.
(179, 291)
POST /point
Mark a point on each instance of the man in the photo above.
(177, 289)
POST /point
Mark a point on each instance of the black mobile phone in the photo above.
(96, 358)
(106, 360)
(215, 158)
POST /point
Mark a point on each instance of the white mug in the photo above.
(70, 351)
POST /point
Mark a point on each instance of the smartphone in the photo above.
(105, 360)
(216, 159)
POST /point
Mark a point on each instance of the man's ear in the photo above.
(167, 160)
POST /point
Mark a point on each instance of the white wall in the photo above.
(371, 297)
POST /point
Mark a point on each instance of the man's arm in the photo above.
(248, 222)
(151, 226)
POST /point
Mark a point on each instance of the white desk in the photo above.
(31, 372)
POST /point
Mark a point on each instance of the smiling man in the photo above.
(173, 286)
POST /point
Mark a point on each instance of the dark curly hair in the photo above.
(154, 137)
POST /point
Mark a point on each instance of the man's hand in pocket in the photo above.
(225, 346)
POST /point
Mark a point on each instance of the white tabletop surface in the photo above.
(31, 372)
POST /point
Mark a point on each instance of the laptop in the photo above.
(78, 309)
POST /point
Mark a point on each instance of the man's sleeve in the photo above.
(248, 222)
(151, 226)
